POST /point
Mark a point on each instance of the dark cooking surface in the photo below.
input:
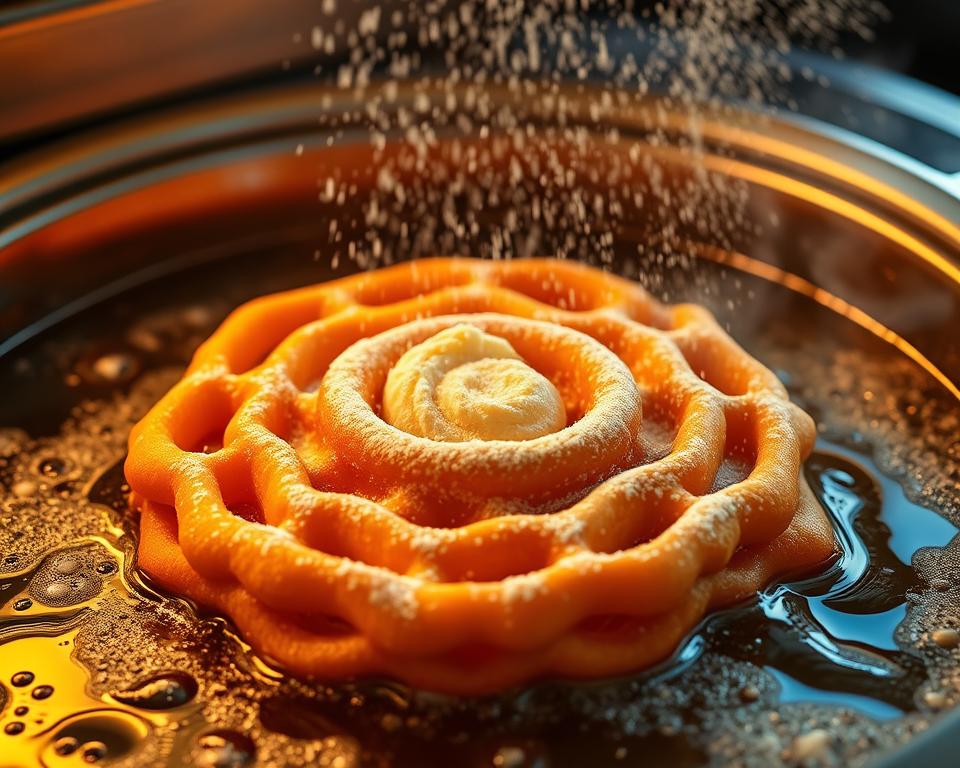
(843, 661)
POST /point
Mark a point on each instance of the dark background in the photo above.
(921, 39)
(67, 65)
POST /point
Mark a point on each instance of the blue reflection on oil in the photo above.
(850, 614)
(830, 638)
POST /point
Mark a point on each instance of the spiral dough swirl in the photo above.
(466, 475)
(464, 384)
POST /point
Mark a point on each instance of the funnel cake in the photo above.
(466, 475)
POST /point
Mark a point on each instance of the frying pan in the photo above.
(867, 220)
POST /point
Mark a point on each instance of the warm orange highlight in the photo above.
(341, 546)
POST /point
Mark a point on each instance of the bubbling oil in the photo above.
(99, 667)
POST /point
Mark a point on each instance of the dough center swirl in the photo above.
(465, 384)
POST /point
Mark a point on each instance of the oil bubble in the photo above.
(165, 691)
(24, 489)
(115, 367)
(527, 755)
(94, 752)
(57, 591)
(67, 565)
(94, 737)
(224, 748)
(68, 578)
(65, 746)
(51, 467)
(22, 679)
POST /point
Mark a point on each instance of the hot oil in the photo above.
(96, 666)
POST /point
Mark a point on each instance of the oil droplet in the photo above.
(935, 699)
(65, 746)
(52, 467)
(749, 694)
(165, 691)
(23, 604)
(57, 591)
(64, 489)
(22, 679)
(94, 752)
(95, 736)
(14, 728)
(510, 757)
(115, 367)
(21, 711)
(42, 692)
(67, 565)
(947, 638)
(812, 746)
(24, 489)
(225, 749)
